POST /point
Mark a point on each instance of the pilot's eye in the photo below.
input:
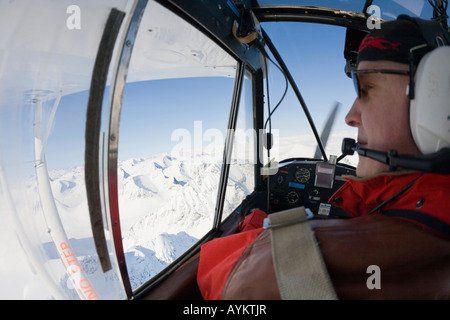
(364, 90)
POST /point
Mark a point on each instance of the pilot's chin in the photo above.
(368, 167)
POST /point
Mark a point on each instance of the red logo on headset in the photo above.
(379, 43)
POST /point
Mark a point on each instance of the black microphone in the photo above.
(437, 162)
(348, 146)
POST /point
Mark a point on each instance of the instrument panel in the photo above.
(308, 183)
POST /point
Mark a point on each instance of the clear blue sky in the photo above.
(315, 58)
(150, 113)
(150, 109)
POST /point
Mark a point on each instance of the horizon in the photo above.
(154, 101)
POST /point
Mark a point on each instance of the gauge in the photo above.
(314, 196)
(292, 197)
(302, 175)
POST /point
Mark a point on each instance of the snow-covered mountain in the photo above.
(166, 204)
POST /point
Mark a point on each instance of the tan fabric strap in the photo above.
(300, 270)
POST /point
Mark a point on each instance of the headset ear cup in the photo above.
(430, 108)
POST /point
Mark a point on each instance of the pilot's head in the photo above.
(381, 110)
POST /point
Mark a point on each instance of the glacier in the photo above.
(166, 201)
(166, 204)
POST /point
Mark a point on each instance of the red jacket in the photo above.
(429, 194)
(424, 195)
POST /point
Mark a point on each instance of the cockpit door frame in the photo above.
(234, 110)
(101, 169)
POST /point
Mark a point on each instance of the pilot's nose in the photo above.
(353, 117)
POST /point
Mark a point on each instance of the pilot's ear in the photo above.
(430, 108)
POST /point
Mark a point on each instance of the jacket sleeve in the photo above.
(219, 256)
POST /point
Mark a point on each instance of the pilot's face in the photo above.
(381, 114)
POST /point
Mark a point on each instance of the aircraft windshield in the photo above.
(174, 119)
(314, 56)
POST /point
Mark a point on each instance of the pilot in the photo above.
(401, 224)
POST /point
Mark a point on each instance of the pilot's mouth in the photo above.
(361, 144)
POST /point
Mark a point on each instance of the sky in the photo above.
(314, 55)
(151, 112)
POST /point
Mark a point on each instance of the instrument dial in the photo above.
(302, 175)
(292, 197)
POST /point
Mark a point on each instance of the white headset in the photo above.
(430, 84)
(430, 108)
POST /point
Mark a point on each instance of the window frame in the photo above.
(109, 141)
